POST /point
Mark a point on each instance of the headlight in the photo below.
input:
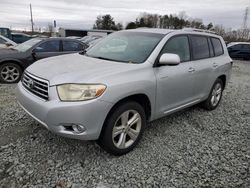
(80, 92)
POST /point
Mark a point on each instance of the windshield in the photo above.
(27, 45)
(129, 47)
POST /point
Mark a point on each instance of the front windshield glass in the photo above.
(27, 45)
(129, 47)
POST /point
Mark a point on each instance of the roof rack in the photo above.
(199, 30)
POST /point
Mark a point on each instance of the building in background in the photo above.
(66, 32)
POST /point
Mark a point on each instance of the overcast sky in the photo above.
(83, 13)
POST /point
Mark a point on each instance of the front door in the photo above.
(47, 49)
(175, 83)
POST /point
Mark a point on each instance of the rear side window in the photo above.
(200, 47)
(218, 49)
(49, 46)
(72, 46)
(178, 45)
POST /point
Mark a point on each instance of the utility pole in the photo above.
(31, 19)
(245, 31)
(244, 26)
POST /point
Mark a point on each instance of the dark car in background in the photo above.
(20, 37)
(15, 60)
(239, 50)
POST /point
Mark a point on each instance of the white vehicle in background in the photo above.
(5, 42)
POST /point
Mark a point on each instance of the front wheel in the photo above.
(123, 128)
(10, 73)
(215, 95)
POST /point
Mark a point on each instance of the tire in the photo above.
(10, 73)
(215, 96)
(116, 128)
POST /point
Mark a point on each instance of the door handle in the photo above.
(191, 69)
(215, 65)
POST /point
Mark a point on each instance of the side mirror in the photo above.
(8, 44)
(169, 59)
(37, 49)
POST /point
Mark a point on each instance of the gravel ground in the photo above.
(192, 148)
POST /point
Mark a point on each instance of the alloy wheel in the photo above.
(126, 129)
(10, 73)
(216, 94)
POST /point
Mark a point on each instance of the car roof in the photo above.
(151, 30)
(177, 31)
(235, 43)
(53, 38)
(21, 34)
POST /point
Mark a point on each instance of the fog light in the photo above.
(78, 128)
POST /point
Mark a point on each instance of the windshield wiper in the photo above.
(104, 58)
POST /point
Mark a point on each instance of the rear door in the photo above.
(205, 52)
(175, 83)
(203, 65)
(48, 48)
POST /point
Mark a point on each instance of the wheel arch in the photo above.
(140, 98)
(223, 78)
(19, 63)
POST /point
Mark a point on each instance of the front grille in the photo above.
(36, 86)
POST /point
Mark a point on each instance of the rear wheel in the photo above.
(123, 128)
(10, 73)
(215, 96)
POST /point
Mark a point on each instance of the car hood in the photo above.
(76, 68)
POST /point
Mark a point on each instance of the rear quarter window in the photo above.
(200, 48)
(218, 49)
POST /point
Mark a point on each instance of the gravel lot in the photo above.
(192, 148)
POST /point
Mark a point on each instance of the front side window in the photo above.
(178, 45)
(236, 47)
(49, 46)
(200, 47)
(126, 46)
(246, 46)
(218, 49)
(71, 46)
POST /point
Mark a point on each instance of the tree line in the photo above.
(171, 21)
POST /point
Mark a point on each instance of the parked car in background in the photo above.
(239, 50)
(15, 60)
(74, 37)
(20, 37)
(124, 81)
(94, 42)
(5, 32)
(88, 39)
(5, 42)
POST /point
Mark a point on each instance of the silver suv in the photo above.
(129, 78)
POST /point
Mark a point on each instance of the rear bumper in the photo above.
(55, 114)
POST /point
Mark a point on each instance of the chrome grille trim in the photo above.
(35, 85)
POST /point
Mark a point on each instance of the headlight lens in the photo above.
(80, 92)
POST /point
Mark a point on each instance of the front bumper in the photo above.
(55, 114)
